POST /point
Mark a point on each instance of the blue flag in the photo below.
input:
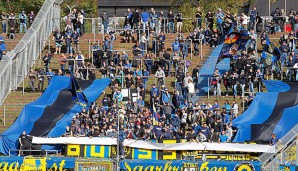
(271, 54)
(77, 93)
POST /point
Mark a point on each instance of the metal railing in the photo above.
(23, 56)
(280, 146)
(46, 152)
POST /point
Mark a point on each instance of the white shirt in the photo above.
(244, 19)
(191, 88)
(185, 81)
(235, 108)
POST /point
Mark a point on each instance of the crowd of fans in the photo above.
(10, 22)
(157, 113)
(170, 115)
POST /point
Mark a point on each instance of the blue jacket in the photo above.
(252, 15)
(145, 16)
(166, 97)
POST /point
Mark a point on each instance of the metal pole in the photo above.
(285, 8)
(4, 114)
(201, 53)
(89, 46)
(269, 7)
(118, 145)
(23, 93)
(92, 58)
(243, 105)
(94, 32)
(208, 89)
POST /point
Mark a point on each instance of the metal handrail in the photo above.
(19, 150)
(281, 145)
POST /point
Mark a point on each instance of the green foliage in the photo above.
(188, 8)
(89, 6)
(17, 6)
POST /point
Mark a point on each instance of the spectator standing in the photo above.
(199, 18)
(68, 41)
(153, 19)
(4, 18)
(250, 80)
(143, 42)
(47, 60)
(171, 24)
(234, 83)
(160, 75)
(220, 19)
(136, 19)
(75, 39)
(210, 20)
(282, 20)
(226, 81)
(41, 78)
(242, 81)
(276, 17)
(62, 62)
(145, 77)
(12, 20)
(84, 21)
(191, 89)
(252, 18)
(23, 22)
(32, 79)
(105, 22)
(31, 17)
(144, 20)
(24, 143)
(186, 85)
(179, 19)
(291, 18)
(58, 41)
(80, 59)
(50, 75)
(259, 77)
(179, 79)
(71, 63)
(217, 78)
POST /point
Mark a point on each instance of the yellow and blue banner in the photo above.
(186, 165)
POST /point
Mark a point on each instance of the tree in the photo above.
(188, 8)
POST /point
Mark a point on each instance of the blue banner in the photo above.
(182, 165)
(53, 163)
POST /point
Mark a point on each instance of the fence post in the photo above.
(23, 93)
(243, 104)
(4, 115)
(201, 52)
(89, 49)
(208, 89)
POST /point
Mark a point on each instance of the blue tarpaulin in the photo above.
(272, 112)
(35, 110)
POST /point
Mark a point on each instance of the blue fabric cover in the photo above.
(259, 110)
(34, 110)
(276, 86)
